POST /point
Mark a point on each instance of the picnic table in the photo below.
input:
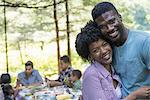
(44, 92)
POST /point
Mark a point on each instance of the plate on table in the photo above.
(44, 95)
(25, 92)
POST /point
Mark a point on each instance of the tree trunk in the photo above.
(68, 28)
(20, 53)
(42, 45)
(6, 45)
(57, 34)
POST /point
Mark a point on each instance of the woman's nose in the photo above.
(103, 50)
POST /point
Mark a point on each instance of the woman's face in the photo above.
(101, 52)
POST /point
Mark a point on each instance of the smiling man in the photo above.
(131, 49)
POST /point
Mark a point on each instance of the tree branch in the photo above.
(24, 5)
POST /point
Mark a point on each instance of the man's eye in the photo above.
(105, 44)
(102, 26)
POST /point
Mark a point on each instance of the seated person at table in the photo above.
(65, 72)
(29, 77)
(7, 92)
(75, 82)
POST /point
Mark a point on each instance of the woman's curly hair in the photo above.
(89, 34)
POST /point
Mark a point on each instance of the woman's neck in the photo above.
(108, 68)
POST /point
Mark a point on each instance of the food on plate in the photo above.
(64, 97)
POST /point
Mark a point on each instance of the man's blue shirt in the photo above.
(35, 77)
(132, 61)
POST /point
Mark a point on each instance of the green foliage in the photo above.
(76, 61)
(141, 21)
(90, 2)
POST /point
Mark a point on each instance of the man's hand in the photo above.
(142, 92)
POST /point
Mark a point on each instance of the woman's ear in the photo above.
(120, 17)
(90, 58)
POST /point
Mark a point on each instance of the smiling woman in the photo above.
(99, 76)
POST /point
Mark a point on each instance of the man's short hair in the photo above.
(65, 59)
(77, 73)
(101, 8)
(29, 63)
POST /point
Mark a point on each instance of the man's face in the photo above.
(111, 26)
(73, 78)
(63, 65)
(28, 70)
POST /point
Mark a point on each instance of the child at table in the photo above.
(65, 72)
(7, 92)
(75, 82)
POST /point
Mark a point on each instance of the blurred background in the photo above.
(33, 30)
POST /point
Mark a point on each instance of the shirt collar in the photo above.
(101, 69)
(30, 75)
(68, 69)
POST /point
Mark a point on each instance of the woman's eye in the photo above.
(95, 50)
(112, 21)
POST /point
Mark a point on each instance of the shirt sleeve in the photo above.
(146, 52)
(60, 77)
(77, 85)
(20, 79)
(18, 76)
(39, 78)
(92, 89)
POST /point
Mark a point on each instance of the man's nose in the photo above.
(28, 71)
(110, 27)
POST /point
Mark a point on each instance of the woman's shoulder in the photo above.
(90, 71)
